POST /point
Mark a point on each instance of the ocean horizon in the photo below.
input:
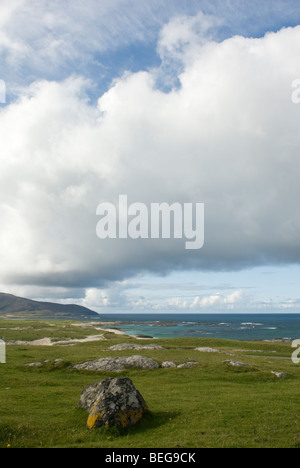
(243, 326)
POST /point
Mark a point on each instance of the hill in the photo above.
(18, 307)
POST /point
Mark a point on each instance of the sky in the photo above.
(165, 102)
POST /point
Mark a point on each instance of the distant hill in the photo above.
(18, 307)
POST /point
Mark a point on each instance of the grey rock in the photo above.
(236, 363)
(113, 402)
(105, 364)
(33, 364)
(208, 350)
(91, 393)
(57, 361)
(187, 364)
(141, 362)
(118, 364)
(167, 364)
(137, 347)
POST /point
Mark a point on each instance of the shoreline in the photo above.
(119, 332)
(115, 331)
(240, 329)
(89, 326)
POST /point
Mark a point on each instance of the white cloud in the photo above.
(211, 300)
(234, 297)
(95, 299)
(217, 300)
(228, 137)
(177, 303)
(179, 38)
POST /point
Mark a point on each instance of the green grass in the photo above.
(211, 405)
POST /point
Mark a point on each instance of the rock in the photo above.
(90, 394)
(137, 347)
(118, 364)
(208, 350)
(57, 362)
(105, 364)
(280, 375)
(113, 402)
(141, 361)
(167, 364)
(33, 364)
(187, 364)
(237, 363)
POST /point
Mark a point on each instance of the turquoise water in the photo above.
(227, 326)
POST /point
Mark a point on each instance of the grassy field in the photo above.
(210, 405)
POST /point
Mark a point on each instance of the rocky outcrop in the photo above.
(118, 364)
(113, 402)
(136, 347)
(208, 350)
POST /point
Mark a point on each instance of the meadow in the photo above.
(211, 405)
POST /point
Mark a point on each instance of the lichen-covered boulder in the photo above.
(118, 364)
(113, 402)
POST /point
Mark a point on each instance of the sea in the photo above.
(226, 326)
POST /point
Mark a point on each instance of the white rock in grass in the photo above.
(187, 364)
(280, 375)
(208, 350)
(167, 364)
(237, 363)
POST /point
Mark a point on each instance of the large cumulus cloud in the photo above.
(227, 135)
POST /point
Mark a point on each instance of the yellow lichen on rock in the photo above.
(94, 416)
